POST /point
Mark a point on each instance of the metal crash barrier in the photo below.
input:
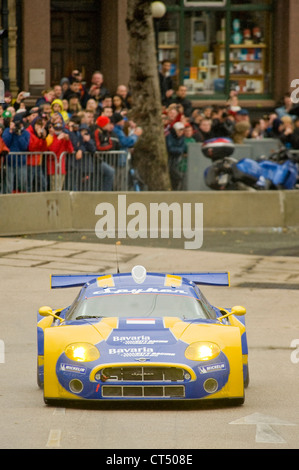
(29, 172)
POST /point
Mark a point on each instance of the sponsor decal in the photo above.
(71, 368)
(141, 321)
(211, 368)
(137, 352)
(138, 340)
(150, 290)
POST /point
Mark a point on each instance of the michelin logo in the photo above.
(211, 368)
(69, 368)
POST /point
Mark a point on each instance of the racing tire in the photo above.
(39, 382)
(246, 381)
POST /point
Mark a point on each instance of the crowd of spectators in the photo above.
(72, 118)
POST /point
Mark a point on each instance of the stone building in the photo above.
(214, 45)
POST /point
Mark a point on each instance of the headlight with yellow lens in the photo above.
(82, 352)
(202, 351)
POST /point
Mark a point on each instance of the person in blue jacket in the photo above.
(176, 148)
(16, 138)
(126, 142)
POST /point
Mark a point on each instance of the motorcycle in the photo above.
(278, 171)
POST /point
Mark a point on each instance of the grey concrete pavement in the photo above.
(266, 285)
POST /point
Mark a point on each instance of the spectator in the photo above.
(122, 90)
(85, 157)
(16, 138)
(65, 84)
(93, 107)
(223, 123)
(173, 116)
(258, 130)
(106, 141)
(59, 143)
(126, 142)
(37, 143)
(97, 89)
(57, 107)
(58, 95)
(166, 83)
(7, 99)
(74, 104)
(180, 98)
(288, 133)
(203, 131)
(107, 111)
(176, 148)
(73, 90)
(269, 120)
(73, 164)
(183, 165)
(4, 150)
(103, 134)
(285, 107)
(31, 115)
(47, 97)
(118, 105)
(241, 132)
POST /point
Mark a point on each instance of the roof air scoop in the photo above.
(139, 274)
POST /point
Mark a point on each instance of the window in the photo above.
(215, 47)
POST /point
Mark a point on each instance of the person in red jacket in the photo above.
(59, 143)
(35, 162)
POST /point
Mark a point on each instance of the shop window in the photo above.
(195, 39)
(168, 43)
(202, 71)
(249, 53)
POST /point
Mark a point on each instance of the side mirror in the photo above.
(238, 310)
(47, 311)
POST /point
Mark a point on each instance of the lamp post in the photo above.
(158, 11)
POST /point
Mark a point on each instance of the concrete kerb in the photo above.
(74, 211)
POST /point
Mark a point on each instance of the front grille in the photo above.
(115, 391)
(142, 374)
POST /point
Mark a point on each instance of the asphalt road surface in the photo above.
(265, 282)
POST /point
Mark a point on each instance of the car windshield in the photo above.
(139, 305)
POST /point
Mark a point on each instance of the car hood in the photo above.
(148, 338)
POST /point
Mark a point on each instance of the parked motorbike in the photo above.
(278, 171)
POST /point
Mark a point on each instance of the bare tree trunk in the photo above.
(150, 154)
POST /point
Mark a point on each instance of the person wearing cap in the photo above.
(16, 138)
(105, 141)
(176, 148)
(57, 107)
(102, 134)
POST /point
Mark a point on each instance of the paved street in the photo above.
(266, 285)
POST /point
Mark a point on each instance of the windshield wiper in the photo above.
(87, 317)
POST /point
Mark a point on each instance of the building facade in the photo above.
(214, 45)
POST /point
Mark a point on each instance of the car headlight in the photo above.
(202, 351)
(82, 352)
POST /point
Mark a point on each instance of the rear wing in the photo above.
(59, 281)
(207, 279)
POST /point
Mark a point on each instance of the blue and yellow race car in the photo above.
(142, 336)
